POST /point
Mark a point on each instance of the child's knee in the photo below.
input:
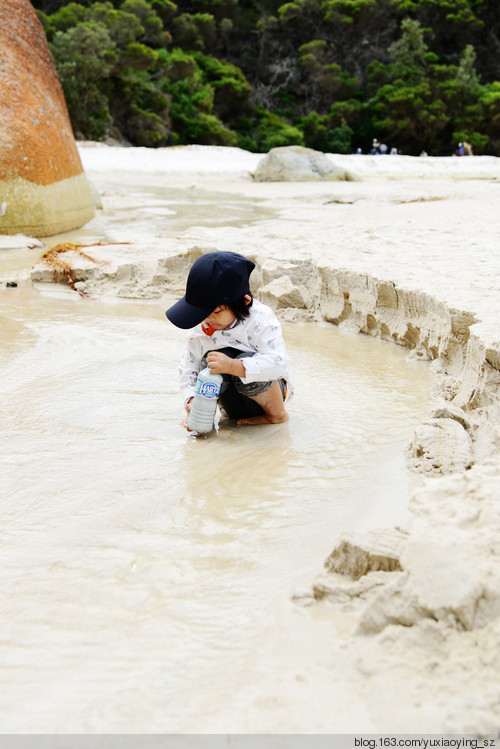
(251, 389)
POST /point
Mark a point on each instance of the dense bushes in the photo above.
(328, 74)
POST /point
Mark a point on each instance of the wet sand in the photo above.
(149, 576)
(405, 651)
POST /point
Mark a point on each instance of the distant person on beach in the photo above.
(375, 149)
(383, 149)
(236, 336)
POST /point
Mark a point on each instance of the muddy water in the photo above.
(147, 576)
(141, 205)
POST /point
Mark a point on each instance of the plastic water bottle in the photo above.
(204, 404)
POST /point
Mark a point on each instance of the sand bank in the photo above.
(409, 254)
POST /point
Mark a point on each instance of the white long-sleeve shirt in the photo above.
(259, 332)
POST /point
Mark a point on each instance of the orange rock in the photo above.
(43, 188)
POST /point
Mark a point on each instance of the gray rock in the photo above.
(298, 164)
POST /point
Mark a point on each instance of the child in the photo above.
(236, 336)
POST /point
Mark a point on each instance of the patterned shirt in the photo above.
(259, 332)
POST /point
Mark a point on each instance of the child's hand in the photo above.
(184, 422)
(219, 363)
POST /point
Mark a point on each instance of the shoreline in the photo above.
(223, 160)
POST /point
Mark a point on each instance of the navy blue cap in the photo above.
(214, 279)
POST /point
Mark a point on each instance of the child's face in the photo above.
(221, 318)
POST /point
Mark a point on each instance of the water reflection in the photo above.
(135, 210)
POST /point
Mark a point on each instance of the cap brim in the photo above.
(185, 315)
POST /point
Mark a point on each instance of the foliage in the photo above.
(329, 74)
(320, 134)
(273, 131)
(84, 56)
(194, 32)
(192, 100)
(421, 104)
(231, 89)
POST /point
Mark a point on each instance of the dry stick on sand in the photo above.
(63, 271)
(418, 200)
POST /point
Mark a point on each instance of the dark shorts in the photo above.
(235, 395)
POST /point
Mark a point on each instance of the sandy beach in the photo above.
(404, 259)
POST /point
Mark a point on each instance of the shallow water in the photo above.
(147, 576)
(139, 206)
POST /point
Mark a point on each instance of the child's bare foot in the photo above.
(263, 419)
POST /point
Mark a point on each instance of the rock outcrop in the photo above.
(298, 164)
(43, 189)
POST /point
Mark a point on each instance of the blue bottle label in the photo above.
(208, 389)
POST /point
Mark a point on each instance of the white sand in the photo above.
(409, 253)
(217, 160)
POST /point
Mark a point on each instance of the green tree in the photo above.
(84, 56)
(455, 23)
(124, 28)
(192, 101)
(322, 72)
(218, 8)
(142, 110)
(195, 32)
(66, 17)
(489, 99)
(137, 56)
(268, 130)
(410, 54)
(165, 9)
(154, 34)
(322, 135)
(464, 96)
(231, 89)
(406, 108)
(467, 76)
(324, 81)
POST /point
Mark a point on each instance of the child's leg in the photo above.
(253, 403)
(272, 405)
(268, 397)
(237, 405)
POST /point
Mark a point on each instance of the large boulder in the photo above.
(43, 189)
(298, 164)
